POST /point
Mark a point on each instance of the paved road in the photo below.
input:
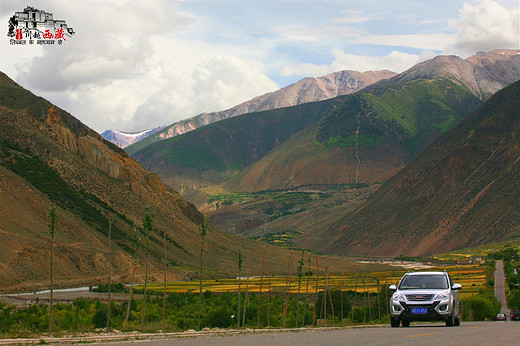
(500, 286)
(469, 333)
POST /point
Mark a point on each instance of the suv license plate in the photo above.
(419, 310)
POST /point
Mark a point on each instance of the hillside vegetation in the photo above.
(217, 151)
(462, 191)
(384, 129)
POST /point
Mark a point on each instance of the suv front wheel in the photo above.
(450, 322)
(394, 322)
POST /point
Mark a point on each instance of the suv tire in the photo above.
(450, 322)
(406, 323)
(394, 323)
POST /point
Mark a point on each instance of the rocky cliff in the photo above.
(484, 73)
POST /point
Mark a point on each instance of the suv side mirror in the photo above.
(456, 287)
(392, 287)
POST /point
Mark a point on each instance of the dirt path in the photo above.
(65, 296)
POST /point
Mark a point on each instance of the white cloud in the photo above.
(395, 61)
(353, 17)
(139, 64)
(485, 27)
(126, 69)
(215, 84)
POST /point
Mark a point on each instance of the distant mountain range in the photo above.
(306, 90)
(367, 136)
(461, 191)
(357, 141)
(124, 139)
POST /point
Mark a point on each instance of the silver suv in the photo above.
(425, 296)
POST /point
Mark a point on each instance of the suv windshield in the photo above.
(411, 282)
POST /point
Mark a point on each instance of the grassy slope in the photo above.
(462, 191)
(394, 124)
(225, 147)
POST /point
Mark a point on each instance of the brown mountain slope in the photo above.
(462, 191)
(49, 157)
(305, 161)
(309, 89)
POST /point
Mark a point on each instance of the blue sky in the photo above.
(134, 65)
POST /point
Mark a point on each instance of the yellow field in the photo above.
(471, 277)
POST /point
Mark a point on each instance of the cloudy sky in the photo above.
(134, 64)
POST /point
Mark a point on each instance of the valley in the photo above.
(311, 183)
(277, 216)
(285, 175)
(185, 169)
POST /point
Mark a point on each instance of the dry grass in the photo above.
(471, 277)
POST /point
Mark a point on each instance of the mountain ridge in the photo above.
(462, 191)
(123, 139)
(309, 89)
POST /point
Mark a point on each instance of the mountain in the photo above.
(380, 128)
(484, 73)
(48, 157)
(309, 89)
(218, 151)
(368, 138)
(383, 126)
(124, 139)
(345, 142)
(462, 191)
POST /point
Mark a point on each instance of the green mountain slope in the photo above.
(384, 129)
(310, 89)
(462, 191)
(217, 151)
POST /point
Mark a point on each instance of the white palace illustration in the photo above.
(34, 19)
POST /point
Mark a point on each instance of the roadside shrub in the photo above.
(479, 307)
(220, 318)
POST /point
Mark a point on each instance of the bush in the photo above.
(479, 307)
(220, 318)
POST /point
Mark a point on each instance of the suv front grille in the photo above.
(419, 297)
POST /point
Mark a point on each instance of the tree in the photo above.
(203, 230)
(247, 286)
(239, 262)
(109, 270)
(148, 226)
(52, 226)
(287, 290)
(135, 242)
(307, 291)
(164, 288)
(300, 275)
(261, 282)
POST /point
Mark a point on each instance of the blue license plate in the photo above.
(419, 310)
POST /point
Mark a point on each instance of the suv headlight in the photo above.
(398, 297)
(445, 295)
